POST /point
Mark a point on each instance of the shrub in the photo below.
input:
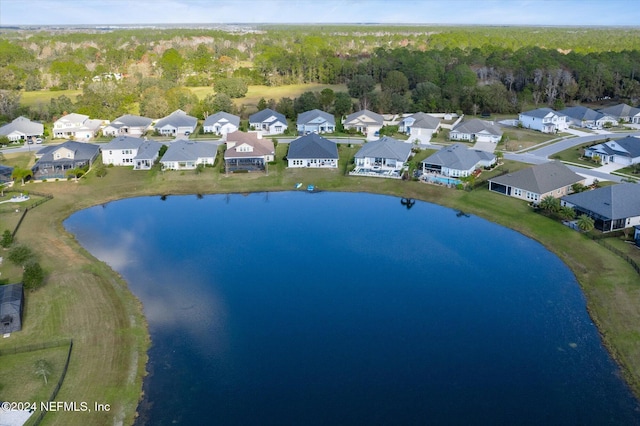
(20, 254)
(33, 275)
(7, 239)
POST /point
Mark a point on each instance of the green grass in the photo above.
(574, 155)
(84, 299)
(32, 99)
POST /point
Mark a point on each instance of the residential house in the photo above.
(636, 235)
(5, 174)
(366, 122)
(544, 120)
(419, 126)
(457, 160)
(625, 151)
(11, 307)
(313, 151)
(581, 116)
(316, 121)
(221, 123)
(611, 207)
(383, 155)
(130, 151)
(76, 126)
(55, 161)
(22, 129)
(187, 155)
(537, 182)
(623, 113)
(128, 125)
(178, 123)
(248, 151)
(476, 130)
(269, 122)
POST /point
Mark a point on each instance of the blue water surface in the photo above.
(350, 309)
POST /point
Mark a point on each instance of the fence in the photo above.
(45, 198)
(617, 252)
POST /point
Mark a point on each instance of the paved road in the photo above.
(549, 150)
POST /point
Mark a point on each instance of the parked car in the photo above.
(38, 140)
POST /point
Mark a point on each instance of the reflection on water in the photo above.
(327, 308)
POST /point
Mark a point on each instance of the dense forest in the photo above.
(386, 69)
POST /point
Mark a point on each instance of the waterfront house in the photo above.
(611, 207)
(537, 182)
(221, 123)
(22, 129)
(247, 151)
(544, 120)
(178, 123)
(457, 160)
(476, 130)
(269, 122)
(187, 155)
(130, 151)
(625, 151)
(315, 121)
(384, 157)
(76, 126)
(54, 161)
(312, 151)
(128, 125)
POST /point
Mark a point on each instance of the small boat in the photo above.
(298, 185)
(311, 188)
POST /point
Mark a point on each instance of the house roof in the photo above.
(124, 142)
(541, 178)
(423, 121)
(312, 146)
(22, 125)
(582, 113)
(73, 118)
(540, 112)
(265, 114)
(385, 148)
(176, 119)
(315, 114)
(185, 150)
(365, 117)
(11, 296)
(129, 120)
(82, 151)
(222, 116)
(458, 157)
(148, 150)
(620, 110)
(477, 126)
(261, 147)
(626, 147)
(613, 202)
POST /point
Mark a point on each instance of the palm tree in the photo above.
(550, 204)
(42, 369)
(567, 213)
(585, 223)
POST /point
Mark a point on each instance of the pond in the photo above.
(342, 308)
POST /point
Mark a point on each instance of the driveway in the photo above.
(485, 146)
(608, 168)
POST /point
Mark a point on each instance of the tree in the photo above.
(9, 103)
(4, 141)
(42, 368)
(19, 254)
(21, 174)
(395, 82)
(567, 213)
(578, 187)
(33, 275)
(222, 102)
(162, 151)
(7, 239)
(153, 103)
(262, 104)
(585, 223)
(285, 107)
(101, 170)
(342, 104)
(361, 87)
(75, 173)
(306, 102)
(234, 87)
(550, 204)
(326, 99)
(171, 63)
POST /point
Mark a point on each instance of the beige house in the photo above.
(247, 151)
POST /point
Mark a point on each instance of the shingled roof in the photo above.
(541, 178)
(612, 202)
(312, 146)
(385, 148)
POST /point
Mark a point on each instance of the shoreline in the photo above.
(71, 197)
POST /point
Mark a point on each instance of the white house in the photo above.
(544, 120)
(316, 121)
(457, 161)
(313, 151)
(383, 155)
(76, 126)
(366, 122)
(581, 116)
(221, 123)
(22, 129)
(187, 155)
(269, 122)
(625, 151)
(130, 151)
(176, 124)
(419, 126)
(476, 130)
(623, 113)
(128, 125)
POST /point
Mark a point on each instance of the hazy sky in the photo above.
(494, 12)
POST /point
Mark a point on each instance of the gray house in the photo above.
(269, 122)
(316, 121)
(625, 151)
(11, 307)
(177, 123)
(537, 182)
(221, 123)
(56, 160)
(129, 125)
(187, 155)
(366, 122)
(611, 207)
(419, 126)
(623, 112)
(457, 161)
(385, 157)
(313, 151)
(22, 129)
(582, 116)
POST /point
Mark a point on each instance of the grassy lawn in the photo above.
(32, 99)
(518, 139)
(85, 300)
(574, 155)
